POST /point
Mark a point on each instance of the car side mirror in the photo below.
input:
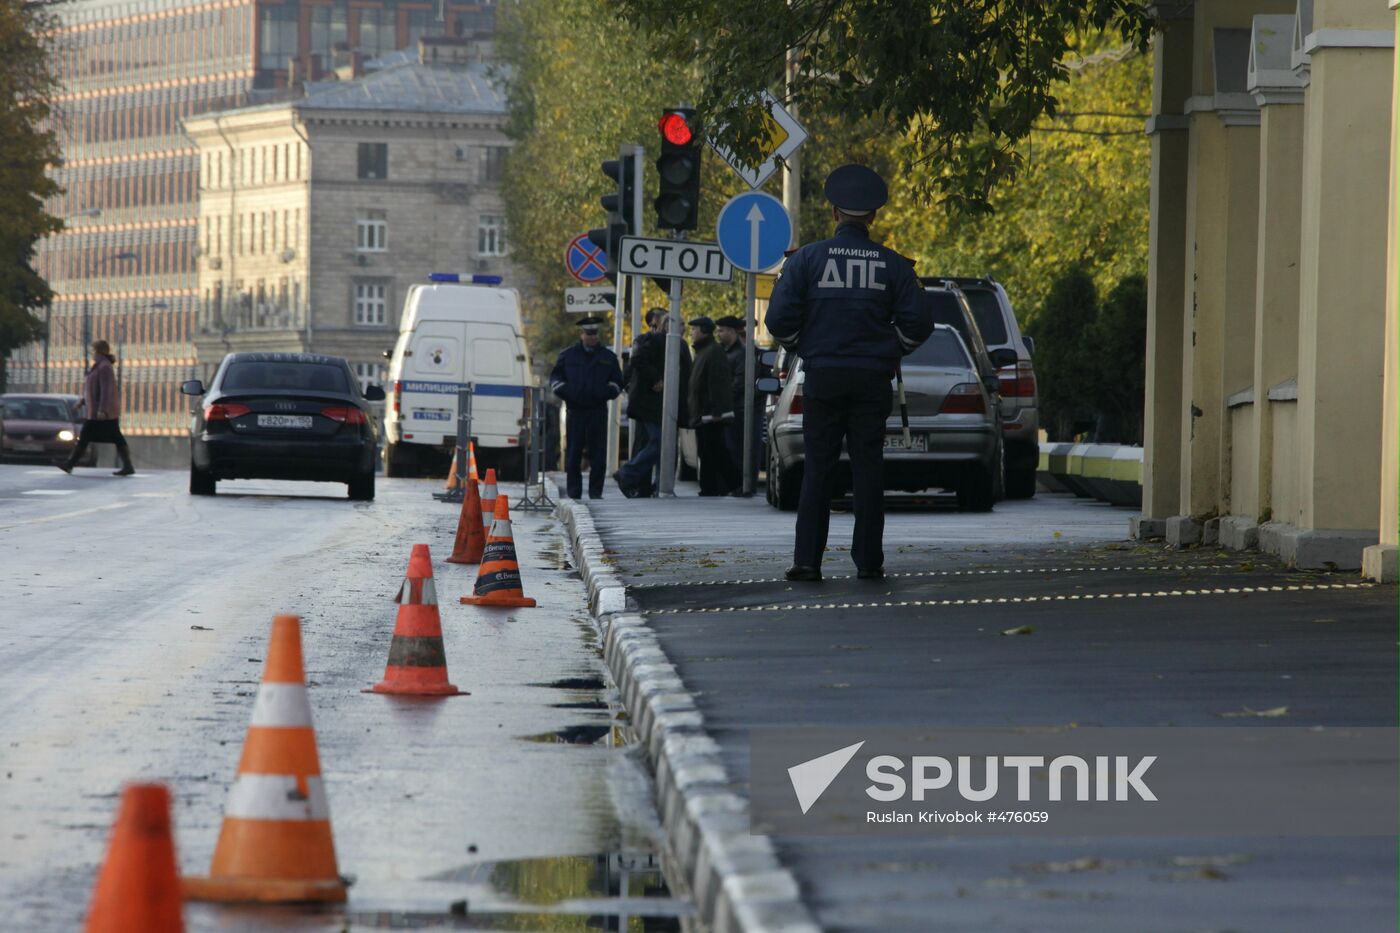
(768, 385)
(374, 393)
(1003, 356)
(192, 387)
(768, 358)
(1030, 344)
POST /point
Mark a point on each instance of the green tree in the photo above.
(27, 148)
(1119, 346)
(965, 81)
(1065, 358)
(1082, 197)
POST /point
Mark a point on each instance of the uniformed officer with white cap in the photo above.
(850, 308)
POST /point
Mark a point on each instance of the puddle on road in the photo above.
(573, 735)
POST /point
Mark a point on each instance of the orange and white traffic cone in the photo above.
(275, 845)
(138, 889)
(471, 462)
(471, 539)
(417, 662)
(498, 581)
(488, 500)
(452, 483)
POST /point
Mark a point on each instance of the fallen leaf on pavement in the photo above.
(1270, 713)
(1019, 630)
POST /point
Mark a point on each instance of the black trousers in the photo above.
(851, 405)
(587, 430)
(101, 432)
(718, 475)
(734, 440)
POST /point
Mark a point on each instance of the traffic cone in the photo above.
(471, 462)
(488, 500)
(498, 581)
(417, 662)
(275, 845)
(138, 889)
(471, 539)
(452, 483)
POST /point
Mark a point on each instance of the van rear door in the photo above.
(496, 367)
(431, 377)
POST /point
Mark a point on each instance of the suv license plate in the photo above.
(916, 442)
(284, 421)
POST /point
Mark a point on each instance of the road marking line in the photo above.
(911, 574)
(62, 515)
(998, 600)
(48, 492)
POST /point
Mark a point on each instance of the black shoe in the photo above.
(628, 490)
(591, 496)
(66, 466)
(875, 573)
(800, 574)
(127, 470)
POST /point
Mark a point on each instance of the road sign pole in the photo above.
(615, 406)
(750, 326)
(671, 394)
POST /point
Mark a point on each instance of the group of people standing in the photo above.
(587, 376)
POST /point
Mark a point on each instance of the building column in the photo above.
(1378, 562)
(1279, 94)
(1166, 275)
(1342, 302)
(1222, 225)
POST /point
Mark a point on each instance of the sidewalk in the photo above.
(707, 574)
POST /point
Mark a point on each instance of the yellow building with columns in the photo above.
(1271, 383)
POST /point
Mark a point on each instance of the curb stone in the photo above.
(738, 884)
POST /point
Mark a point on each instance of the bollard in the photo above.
(464, 434)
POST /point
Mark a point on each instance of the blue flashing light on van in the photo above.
(460, 278)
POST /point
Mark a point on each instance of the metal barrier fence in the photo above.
(536, 447)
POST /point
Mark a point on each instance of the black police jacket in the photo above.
(848, 301)
(586, 379)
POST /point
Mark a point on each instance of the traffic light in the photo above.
(678, 203)
(621, 205)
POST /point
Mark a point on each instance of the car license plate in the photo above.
(896, 442)
(27, 446)
(284, 421)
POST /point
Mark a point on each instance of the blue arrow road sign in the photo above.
(754, 231)
(585, 262)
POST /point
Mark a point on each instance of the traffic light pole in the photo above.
(671, 394)
(615, 406)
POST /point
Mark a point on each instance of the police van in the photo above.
(459, 329)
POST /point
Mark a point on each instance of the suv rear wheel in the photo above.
(786, 485)
(977, 491)
(202, 482)
(362, 487)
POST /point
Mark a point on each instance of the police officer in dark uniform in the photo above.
(586, 376)
(851, 309)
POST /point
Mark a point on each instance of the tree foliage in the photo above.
(965, 81)
(1082, 197)
(1119, 340)
(1065, 358)
(27, 148)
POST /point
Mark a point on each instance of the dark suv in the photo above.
(1020, 410)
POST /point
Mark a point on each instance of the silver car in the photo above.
(1011, 351)
(954, 427)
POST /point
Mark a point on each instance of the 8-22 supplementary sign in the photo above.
(590, 300)
(674, 259)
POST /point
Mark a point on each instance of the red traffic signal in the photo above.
(676, 129)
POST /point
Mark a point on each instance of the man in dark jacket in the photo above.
(586, 376)
(729, 331)
(711, 408)
(646, 373)
(851, 309)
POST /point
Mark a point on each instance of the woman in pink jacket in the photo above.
(102, 407)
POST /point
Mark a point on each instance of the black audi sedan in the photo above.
(297, 416)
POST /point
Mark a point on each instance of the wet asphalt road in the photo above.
(925, 648)
(136, 620)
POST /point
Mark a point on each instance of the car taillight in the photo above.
(345, 415)
(795, 408)
(965, 398)
(224, 411)
(398, 395)
(1017, 381)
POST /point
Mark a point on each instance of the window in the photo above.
(374, 160)
(368, 374)
(370, 304)
(278, 41)
(372, 232)
(491, 235)
(943, 350)
(493, 160)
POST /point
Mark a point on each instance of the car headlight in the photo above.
(66, 435)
